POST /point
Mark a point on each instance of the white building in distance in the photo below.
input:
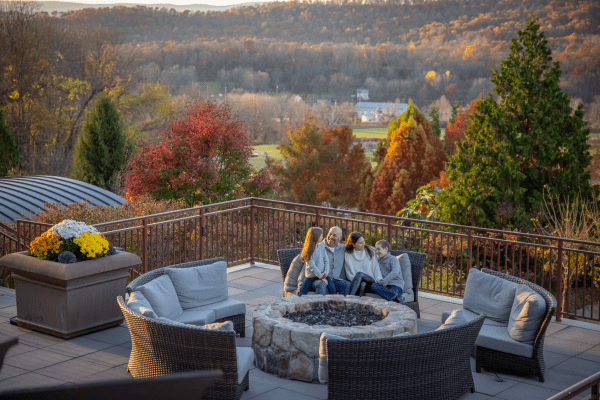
(372, 112)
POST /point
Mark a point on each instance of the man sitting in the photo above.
(335, 251)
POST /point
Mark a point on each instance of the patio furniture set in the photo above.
(181, 319)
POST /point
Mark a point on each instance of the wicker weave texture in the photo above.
(433, 365)
(504, 362)
(417, 262)
(159, 348)
(147, 277)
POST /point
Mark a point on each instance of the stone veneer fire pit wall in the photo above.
(291, 349)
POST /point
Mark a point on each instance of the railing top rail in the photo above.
(335, 210)
(577, 388)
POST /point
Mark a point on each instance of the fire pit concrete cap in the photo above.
(291, 349)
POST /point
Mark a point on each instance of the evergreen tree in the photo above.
(454, 112)
(9, 151)
(101, 149)
(435, 120)
(529, 142)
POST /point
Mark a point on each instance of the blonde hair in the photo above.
(310, 243)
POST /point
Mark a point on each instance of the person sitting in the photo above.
(335, 252)
(361, 265)
(316, 263)
(390, 287)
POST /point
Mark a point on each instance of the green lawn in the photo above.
(372, 132)
(270, 149)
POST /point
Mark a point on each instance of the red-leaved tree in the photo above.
(455, 132)
(202, 158)
(414, 156)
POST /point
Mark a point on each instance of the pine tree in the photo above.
(435, 120)
(10, 158)
(101, 149)
(454, 112)
(529, 142)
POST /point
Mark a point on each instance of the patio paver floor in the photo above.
(572, 353)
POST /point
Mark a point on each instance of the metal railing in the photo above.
(252, 229)
(592, 383)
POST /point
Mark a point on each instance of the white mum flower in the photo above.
(69, 228)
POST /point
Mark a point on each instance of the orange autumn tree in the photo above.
(320, 166)
(455, 131)
(414, 156)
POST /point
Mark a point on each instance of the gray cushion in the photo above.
(161, 295)
(139, 304)
(196, 317)
(291, 279)
(197, 286)
(489, 295)
(407, 297)
(497, 338)
(226, 326)
(323, 366)
(527, 315)
(470, 316)
(245, 359)
(225, 308)
(406, 274)
(452, 319)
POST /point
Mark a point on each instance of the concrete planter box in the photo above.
(68, 300)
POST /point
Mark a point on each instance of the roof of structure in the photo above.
(372, 105)
(24, 196)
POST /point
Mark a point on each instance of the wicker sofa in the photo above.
(162, 347)
(219, 308)
(433, 365)
(417, 262)
(516, 346)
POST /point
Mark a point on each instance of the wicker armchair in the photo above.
(417, 262)
(494, 360)
(239, 320)
(433, 365)
(159, 348)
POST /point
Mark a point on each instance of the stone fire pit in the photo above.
(291, 350)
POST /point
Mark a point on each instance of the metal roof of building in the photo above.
(25, 196)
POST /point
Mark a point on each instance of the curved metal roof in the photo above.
(24, 196)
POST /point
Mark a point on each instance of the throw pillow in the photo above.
(456, 318)
(490, 295)
(161, 295)
(323, 368)
(291, 279)
(527, 314)
(201, 285)
(406, 272)
(226, 326)
(139, 304)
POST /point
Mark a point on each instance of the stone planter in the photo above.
(68, 300)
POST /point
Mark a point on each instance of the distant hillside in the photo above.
(64, 6)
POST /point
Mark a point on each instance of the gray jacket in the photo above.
(336, 261)
(390, 270)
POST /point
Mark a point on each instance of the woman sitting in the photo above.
(361, 264)
(316, 263)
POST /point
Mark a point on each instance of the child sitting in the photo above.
(390, 287)
(316, 263)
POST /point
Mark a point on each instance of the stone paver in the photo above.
(571, 353)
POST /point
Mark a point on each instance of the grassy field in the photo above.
(371, 132)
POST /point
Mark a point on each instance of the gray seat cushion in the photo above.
(162, 297)
(140, 305)
(497, 338)
(406, 275)
(245, 360)
(527, 314)
(196, 317)
(489, 295)
(196, 286)
(407, 297)
(451, 319)
(470, 316)
(222, 309)
(291, 279)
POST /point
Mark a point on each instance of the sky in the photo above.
(175, 2)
